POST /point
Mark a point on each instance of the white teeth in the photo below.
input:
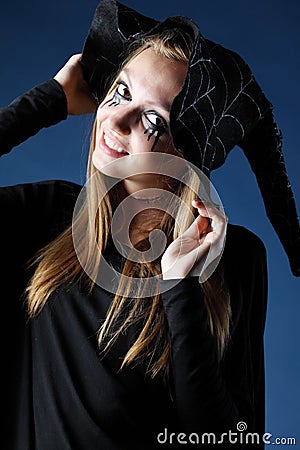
(112, 145)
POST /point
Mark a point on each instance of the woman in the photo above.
(89, 368)
(188, 360)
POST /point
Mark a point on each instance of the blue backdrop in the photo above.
(37, 37)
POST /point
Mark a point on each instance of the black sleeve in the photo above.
(203, 402)
(245, 266)
(213, 396)
(32, 215)
(263, 149)
(41, 107)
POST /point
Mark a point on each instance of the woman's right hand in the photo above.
(185, 254)
(70, 77)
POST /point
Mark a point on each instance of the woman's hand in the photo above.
(79, 98)
(187, 252)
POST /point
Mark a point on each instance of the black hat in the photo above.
(219, 93)
(220, 106)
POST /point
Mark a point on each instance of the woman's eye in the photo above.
(123, 91)
(155, 121)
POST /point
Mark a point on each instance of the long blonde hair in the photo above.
(57, 263)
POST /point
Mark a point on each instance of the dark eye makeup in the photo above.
(154, 124)
(122, 91)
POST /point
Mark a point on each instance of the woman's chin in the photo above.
(103, 163)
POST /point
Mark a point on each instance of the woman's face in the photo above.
(134, 118)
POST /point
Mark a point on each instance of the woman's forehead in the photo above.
(153, 72)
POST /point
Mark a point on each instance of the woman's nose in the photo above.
(122, 118)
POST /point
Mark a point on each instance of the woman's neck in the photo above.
(143, 223)
(137, 216)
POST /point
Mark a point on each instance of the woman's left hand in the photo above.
(207, 232)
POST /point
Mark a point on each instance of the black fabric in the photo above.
(41, 107)
(267, 162)
(60, 393)
(57, 390)
(220, 106)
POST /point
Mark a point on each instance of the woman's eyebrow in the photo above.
(163, 105)
(125, 71)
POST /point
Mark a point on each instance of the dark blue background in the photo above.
(37, 37)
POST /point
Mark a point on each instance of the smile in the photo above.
(113, 146)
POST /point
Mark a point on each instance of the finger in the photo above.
(211, 242)
(210, 251)
(202, 227)
(207, 209)
(218, 220)
(215, 221)
(75, 58)
(198, 226)
(189, 260)
(199, 254)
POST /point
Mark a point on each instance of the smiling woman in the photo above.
(174, 338)
(142, 115)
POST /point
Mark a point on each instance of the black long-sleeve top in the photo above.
(58, 391)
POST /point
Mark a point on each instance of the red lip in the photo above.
(110, 151)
